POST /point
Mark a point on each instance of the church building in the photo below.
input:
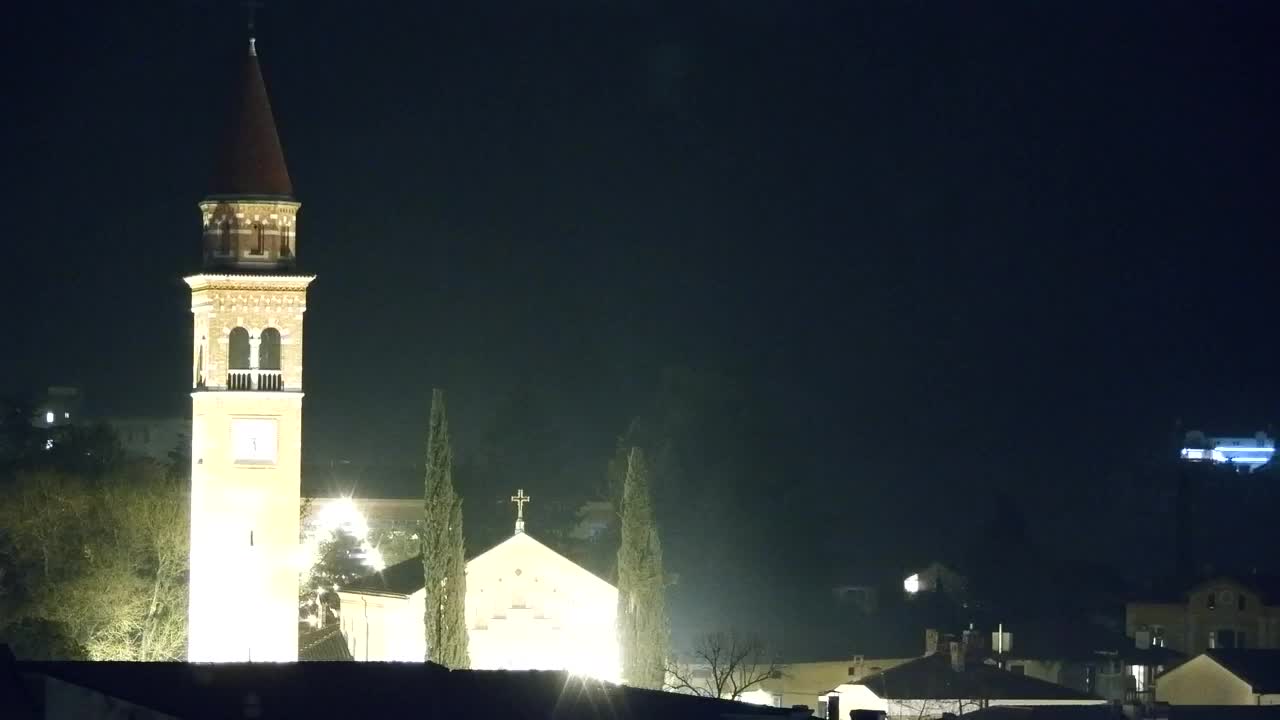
(246, 395)
(527, 608)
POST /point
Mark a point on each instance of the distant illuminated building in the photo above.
(1246, 453)
(934, 578)
(59, 407)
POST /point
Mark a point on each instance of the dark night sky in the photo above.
(954, 246)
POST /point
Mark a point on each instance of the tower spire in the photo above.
(251, 6)
(251, 9)
(250, 214)
(250, 161)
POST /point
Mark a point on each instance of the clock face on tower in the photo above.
(253, 440)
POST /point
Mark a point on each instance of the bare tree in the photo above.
(722, 665)
(105, 560)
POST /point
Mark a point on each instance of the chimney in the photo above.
(1002, 641)
(957, 657)
(930, 641)
(1142, 639)
(975, 643)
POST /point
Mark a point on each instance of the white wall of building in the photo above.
(527, 607)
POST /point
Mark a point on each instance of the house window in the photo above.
(1157, 636)
(1211, 601)
(1224, 639)
(1240, 602)
(1018, 669)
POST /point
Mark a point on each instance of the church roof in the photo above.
(406, 577)
(250, 161)
(403, 578)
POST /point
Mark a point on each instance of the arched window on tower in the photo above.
(239, 376)
(269, 360)
(260, 246)
(284, 241)
(224, 238)
(200, 366)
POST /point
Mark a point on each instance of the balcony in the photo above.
(255, 380)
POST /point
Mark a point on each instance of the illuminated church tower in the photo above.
(246, 427)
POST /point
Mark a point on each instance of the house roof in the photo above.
(324, 644)
(16, 699)
(932, 677)
(1259, 668)
(1169, 591)
(1058, 640)
(319, 689)
(250, 161)
(1047, 712)
(1224, 712)
(404, 578)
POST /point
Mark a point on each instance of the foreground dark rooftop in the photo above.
(372, 690)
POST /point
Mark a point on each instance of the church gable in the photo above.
(529, 607)
(523, 548)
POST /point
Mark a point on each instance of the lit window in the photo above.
(66, 416)
(912, 584)
(48, 444)
(48, 417)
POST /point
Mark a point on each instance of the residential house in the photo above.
(1223, 612)
(1084, 656)
(946, 682)
(936, 577)
(1223, 677)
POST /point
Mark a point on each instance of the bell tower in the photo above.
(246, 379)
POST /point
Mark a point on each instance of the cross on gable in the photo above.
(520, 499)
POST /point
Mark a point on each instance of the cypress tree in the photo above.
(643, 633)
(443, 557)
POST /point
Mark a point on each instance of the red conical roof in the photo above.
(250, 161)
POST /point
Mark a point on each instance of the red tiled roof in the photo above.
(250, 161)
